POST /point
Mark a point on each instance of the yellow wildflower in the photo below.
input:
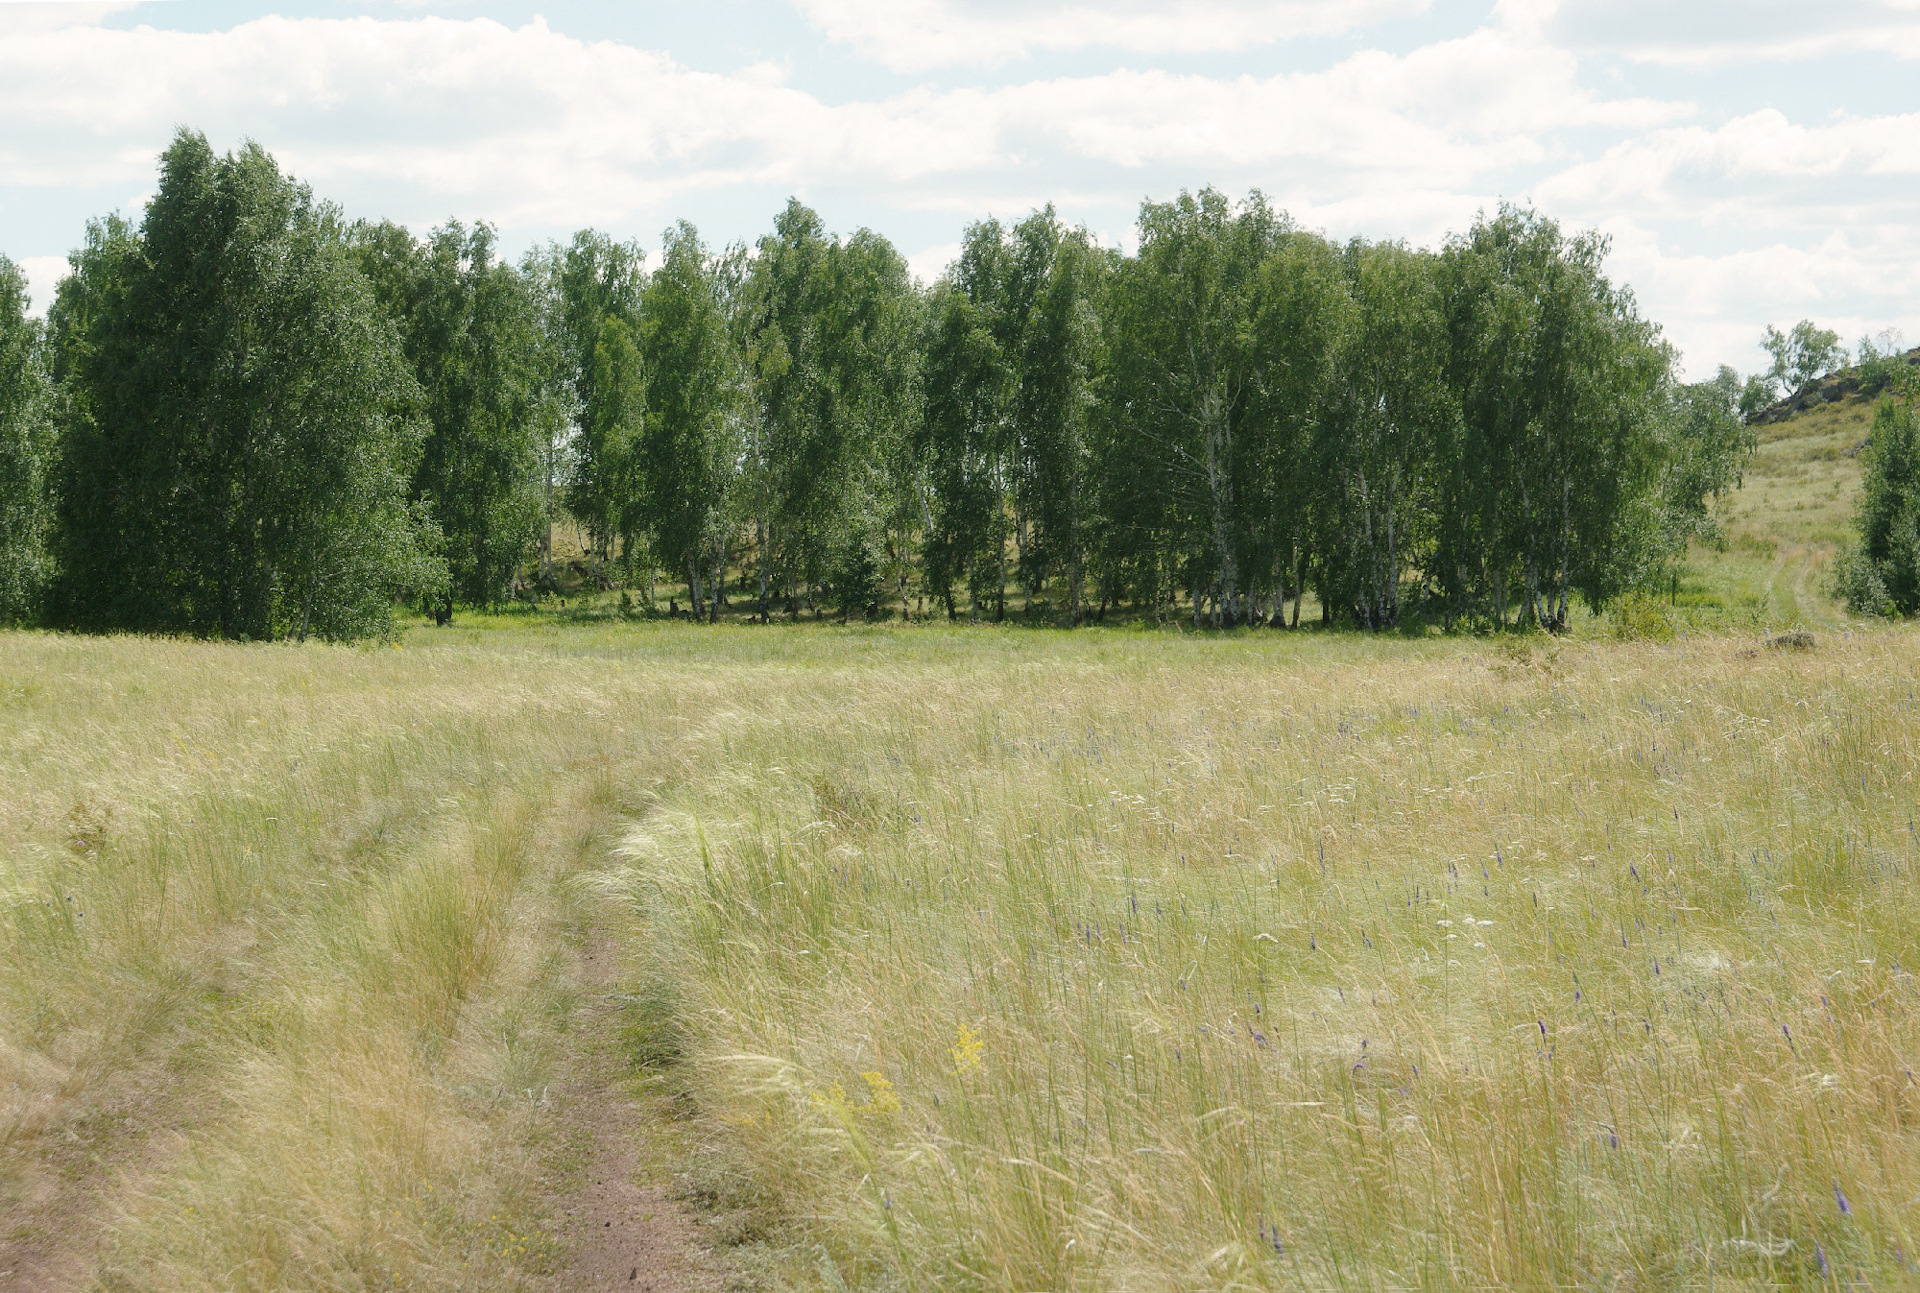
(880, 1094)
(966, 1051)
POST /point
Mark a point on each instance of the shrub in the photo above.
(1857, 583)
(1640, 618)
(1881, 576)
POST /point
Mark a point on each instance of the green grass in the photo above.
(990, 957)
(1784, 527)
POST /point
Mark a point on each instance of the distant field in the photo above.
(981, 958)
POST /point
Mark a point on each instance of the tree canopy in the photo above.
(471, 331)
(1802, 353)
(1881, 576)
(26, 450)
(247, 418)
(240, 417)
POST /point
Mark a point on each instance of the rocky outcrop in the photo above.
(1827, 390)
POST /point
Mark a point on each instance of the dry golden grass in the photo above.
(1173, 964)
(301, 908)
(991, 958)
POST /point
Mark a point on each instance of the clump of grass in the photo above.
(653, 1036)
(992, 959)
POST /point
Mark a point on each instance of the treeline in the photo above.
(248, 417)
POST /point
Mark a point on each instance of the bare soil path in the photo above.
(621, 1225)
(614, 1207)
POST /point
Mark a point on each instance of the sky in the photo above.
(1753, 162)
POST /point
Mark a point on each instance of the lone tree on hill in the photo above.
(1805, 353)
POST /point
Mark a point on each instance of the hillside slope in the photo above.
(1785, 524)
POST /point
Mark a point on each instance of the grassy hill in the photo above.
(1783, 527)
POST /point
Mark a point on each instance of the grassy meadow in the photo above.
(985, 958)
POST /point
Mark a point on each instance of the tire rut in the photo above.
(621, 1225)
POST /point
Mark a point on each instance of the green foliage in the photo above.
(1857, 582)
(1387, 415)
(610, 472)
(1882, 362)
(1014, 356)
(689, 449)
(797, 445)
(1637, 617)
(1756, 393)
(1708, 447)
(27, 448)
(1881, 576)
(239, 427)
(1188, 374)
(964, 445)
(593, 289)
(1238, 413)
(856, 575)
(471, 330)
(828, 331)
(1803, 354)
(1552, 486)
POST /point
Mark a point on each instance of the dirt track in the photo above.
(621, 1229)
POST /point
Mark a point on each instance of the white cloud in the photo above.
(915, 35)
(19, 17)
(1758, 220)
(1720, 33)
(1716, 306)
(529, 126)
(1455, 109)
(43, 278)
(930, 263)
(1754, 174)
(1721, 225)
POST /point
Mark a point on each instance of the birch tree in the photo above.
(689, 448)
(27, 449)
(1190, 370)
(1061, 283)
(1562, 389)
(966, 433)
(600, 282)
(470, 328)
(1387, 416)
(239, 437)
